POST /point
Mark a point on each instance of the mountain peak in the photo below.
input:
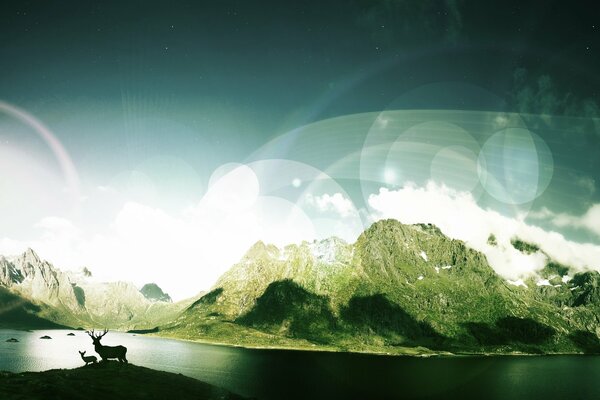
(429, 228)
(396, 228)
(153, 292)
(260, 249)
(395, 224)
(29, 255)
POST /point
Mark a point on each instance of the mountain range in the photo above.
(33, 289)
(399, 289)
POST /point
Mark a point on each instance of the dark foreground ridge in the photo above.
(107, 380)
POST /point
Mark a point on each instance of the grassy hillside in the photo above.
(18, 313)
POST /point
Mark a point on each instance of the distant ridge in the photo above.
(74, 299)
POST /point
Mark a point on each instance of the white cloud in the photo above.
(185, 252)
(57, 225)
(590, 220)
(336, 202)
(459, 216)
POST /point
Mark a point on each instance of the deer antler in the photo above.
(96, 335)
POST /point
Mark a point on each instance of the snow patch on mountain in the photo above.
(518, 282)
(326, 250)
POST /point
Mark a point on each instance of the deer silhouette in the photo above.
(88, 359)
(107, 352)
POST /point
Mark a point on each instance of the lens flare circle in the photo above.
(515, 166)
(455, 167)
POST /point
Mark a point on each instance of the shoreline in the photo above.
(432, 354)
(321, 349)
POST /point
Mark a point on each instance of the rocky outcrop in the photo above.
(153, 292)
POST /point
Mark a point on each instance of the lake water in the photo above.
(279, 374)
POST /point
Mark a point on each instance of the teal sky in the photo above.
(149, 101)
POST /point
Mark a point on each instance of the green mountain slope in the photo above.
(398, 289)
(287, 308)
(16, 312)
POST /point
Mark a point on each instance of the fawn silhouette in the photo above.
(107, 352)
(88, 359)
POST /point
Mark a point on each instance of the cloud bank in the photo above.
(590, 220)
(185, 252)
(336, 203)
(459, 216)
